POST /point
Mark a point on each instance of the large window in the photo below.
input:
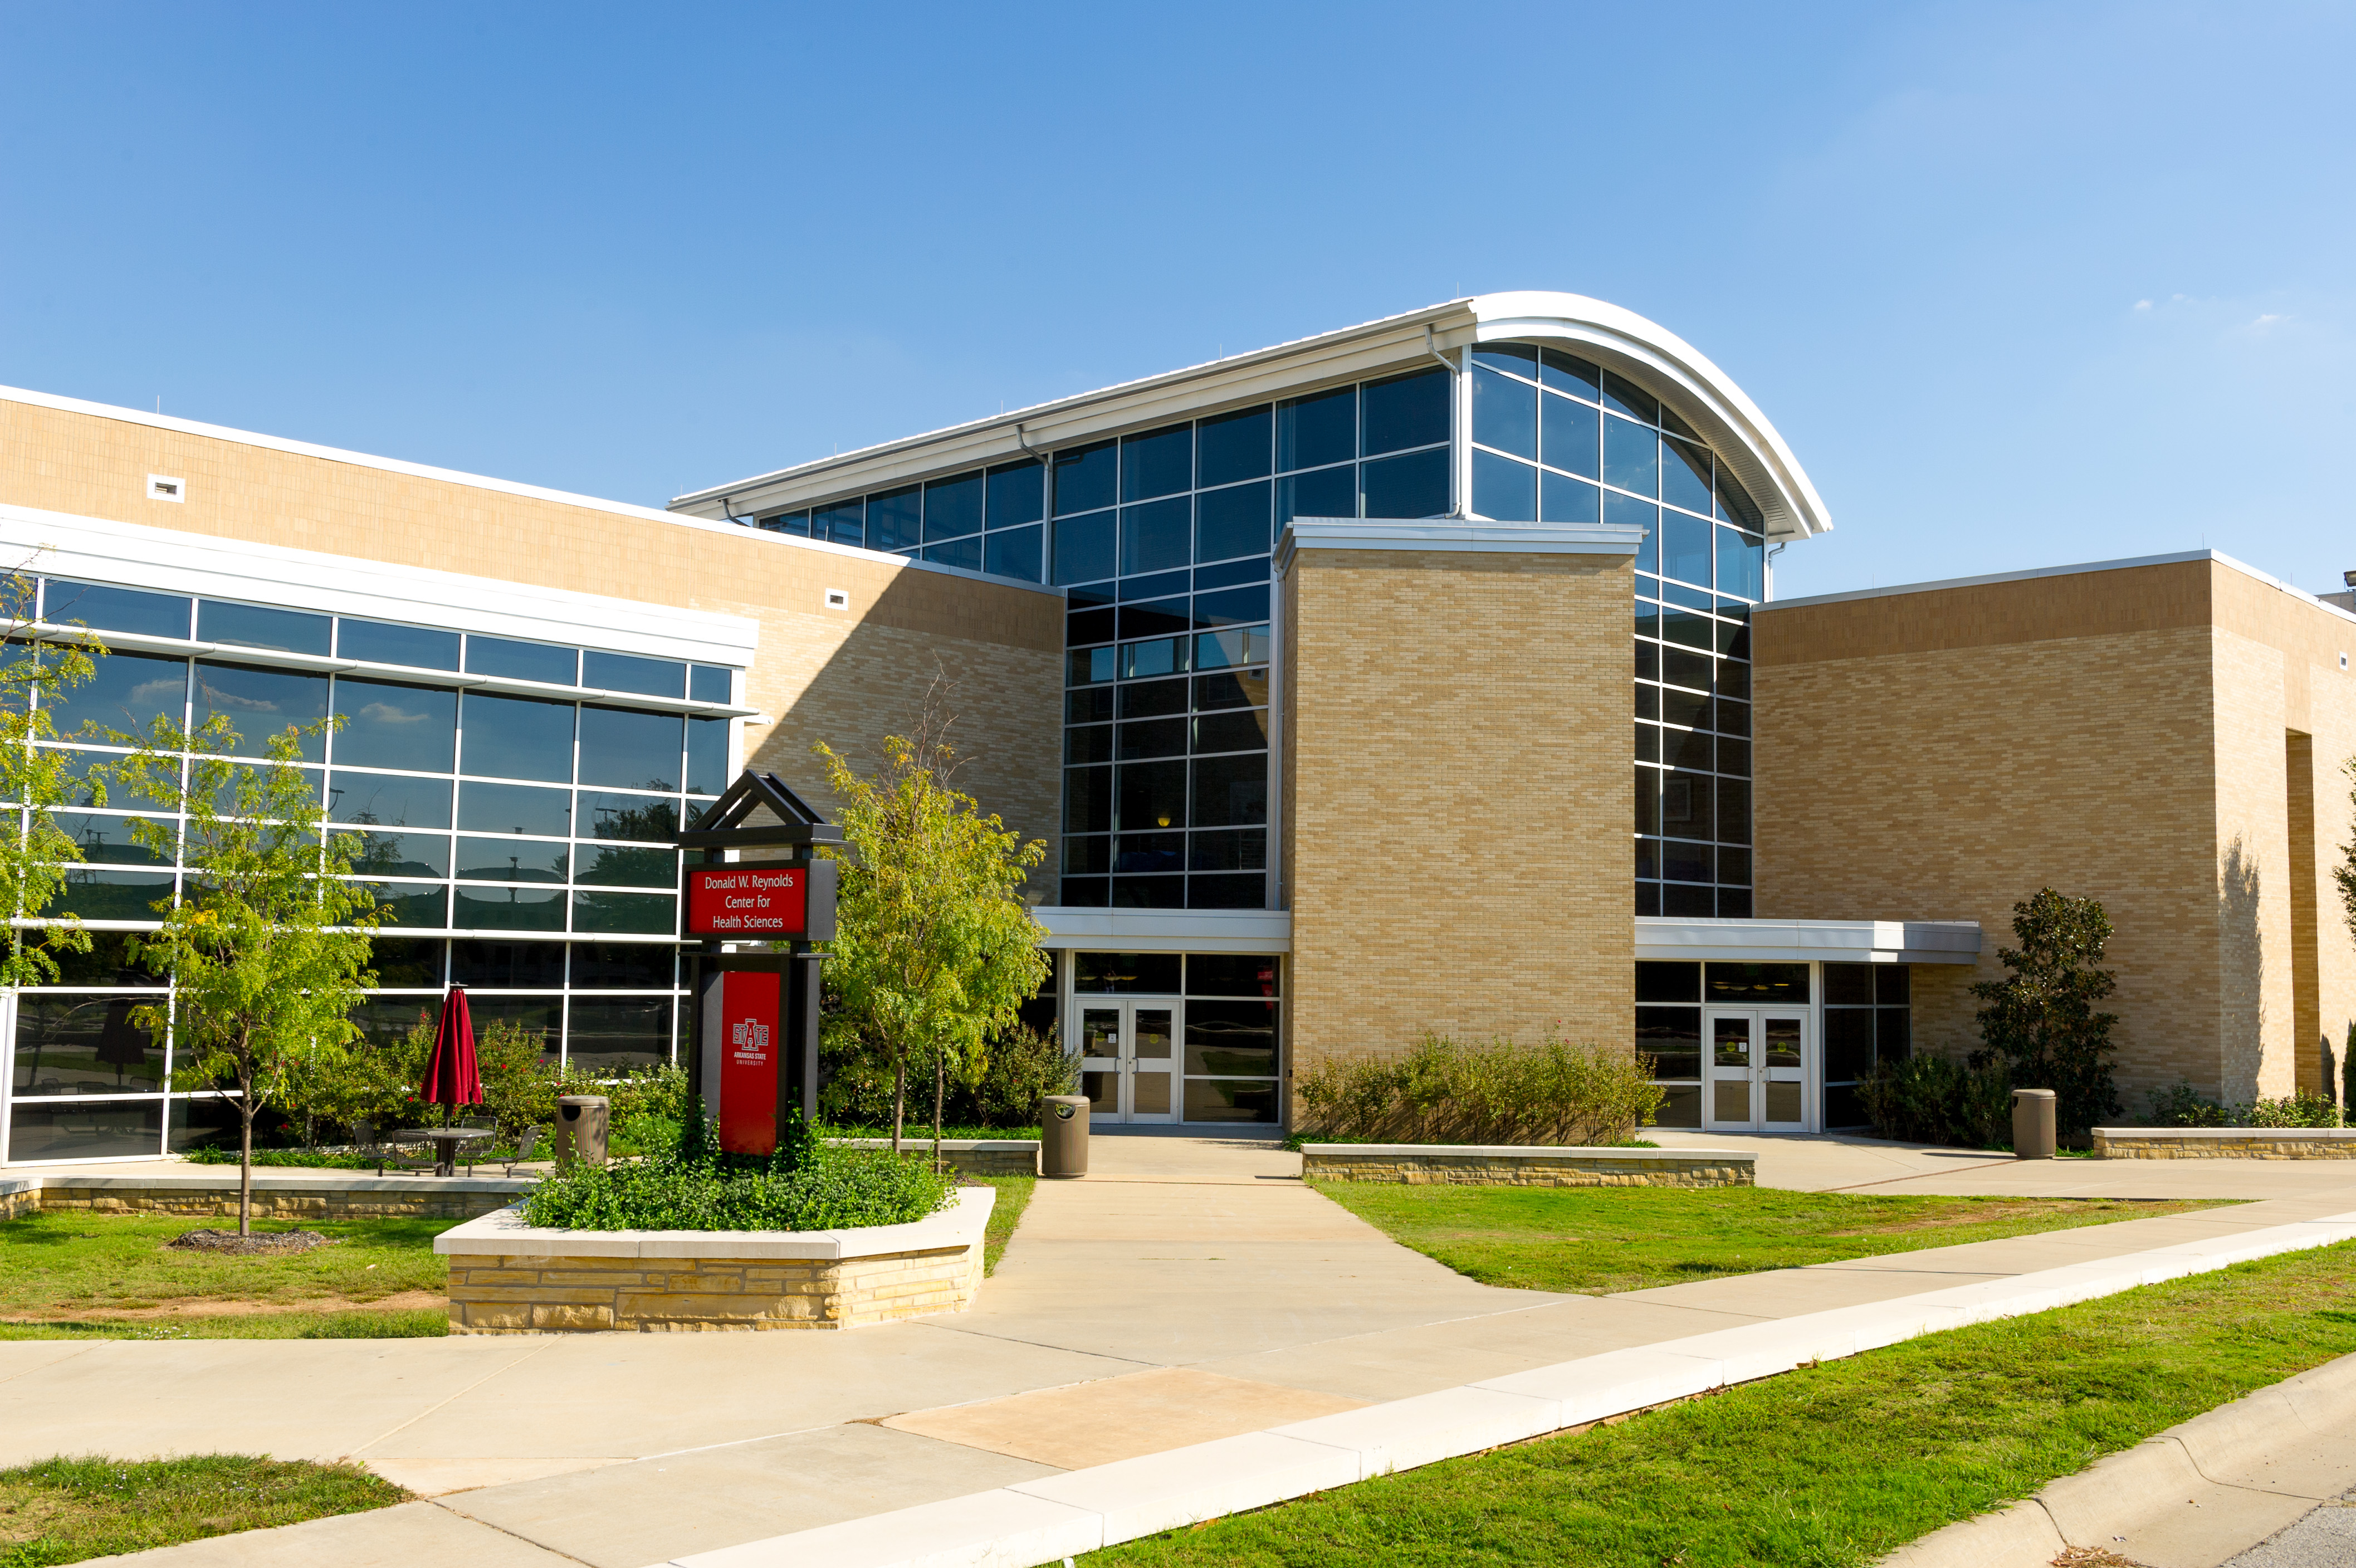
(520, 843)
(1162, 541)
(1868, 1019)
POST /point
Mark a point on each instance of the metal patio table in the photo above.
(447, 1141)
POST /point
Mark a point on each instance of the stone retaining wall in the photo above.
(360, 1196)
(1469, 1165)
(2225, 1142)
(507, 1277)
(570, 1295)
(968, 1156)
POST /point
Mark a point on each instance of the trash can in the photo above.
(2033, 1124)
(1064, 1135)
(580, 1129)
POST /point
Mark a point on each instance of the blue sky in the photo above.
(2021, 284)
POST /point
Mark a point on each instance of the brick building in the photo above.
(1313, 666)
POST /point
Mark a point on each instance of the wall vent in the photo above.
(167, 487)
(840, 599)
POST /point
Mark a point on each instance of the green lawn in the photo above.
(1597, 1241)
(1829, 1465)
(393, 1323)
(1013, 1198)
(68, 1510)
(68, 1264)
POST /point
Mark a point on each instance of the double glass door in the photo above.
(1754, 1070)
(1128, 1060)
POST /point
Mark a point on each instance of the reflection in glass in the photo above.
(1314, 431)
(626, 914)
(389, 725)
(513, 661)
(517, 737)
(127, 692)
(512, 860)
(387, 799)
(634, 750)
(260, 703)
(105, 1131)
(65, 602)
(84, 1045)
(514, 809)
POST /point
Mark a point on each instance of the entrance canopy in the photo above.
(1810, 942)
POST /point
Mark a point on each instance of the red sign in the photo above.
(747, 900)
(751, 1032)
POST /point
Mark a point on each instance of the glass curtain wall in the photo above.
(985, 520)
(520, 843)
(1557, 439)
(1162, 541)
(1232, 1060)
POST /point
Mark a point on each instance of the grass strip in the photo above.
(68, 1510)
(414, 1323)
(1828, 1465)
(60, 1262)
(1600, 1240)
(1013, 1198)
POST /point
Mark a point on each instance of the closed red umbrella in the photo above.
(453, 1077)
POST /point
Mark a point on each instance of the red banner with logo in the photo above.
(751, 1035)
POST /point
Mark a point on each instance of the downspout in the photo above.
(1456, 402)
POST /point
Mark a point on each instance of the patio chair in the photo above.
(389, 1156)
(526, 1148)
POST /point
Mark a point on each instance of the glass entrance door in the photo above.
(1129, 1062)
(1754, 1071)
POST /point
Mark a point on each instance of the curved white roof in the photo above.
(1657, 359)
(1642, 350)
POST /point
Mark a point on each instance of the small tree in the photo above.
(268, 949)
(934, 949)
(34, 851)
(2041, 1019)
(2344, 873)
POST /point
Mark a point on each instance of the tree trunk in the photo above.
(899, 1097)
(940, 1079)
(245, 1156)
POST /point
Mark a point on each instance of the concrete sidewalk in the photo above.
(1191, 1288)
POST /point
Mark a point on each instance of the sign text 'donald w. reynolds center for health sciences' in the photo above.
(747, 900)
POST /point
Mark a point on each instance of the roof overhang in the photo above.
(1809, 941)
(1623, 341)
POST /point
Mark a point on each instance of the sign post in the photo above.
(754, 1058)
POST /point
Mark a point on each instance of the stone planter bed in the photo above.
(2225, 1142)
(507, 1277)
(1470, 1164)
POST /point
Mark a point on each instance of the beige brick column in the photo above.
(1457, 794)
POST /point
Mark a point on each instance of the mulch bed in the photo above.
(246, 1246)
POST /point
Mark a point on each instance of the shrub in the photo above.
(1935, 1100)
(2040, 1020)
(2291, 1110)
(998, 1086)
(806, 1185)
(1494, 1091)
(2182, 1105)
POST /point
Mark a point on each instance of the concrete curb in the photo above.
(2199, 1493)
(1054, 1517)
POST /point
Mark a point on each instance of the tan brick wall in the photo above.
(847, 678)
(1942, 754)
(1457, 797)
(494, 1294)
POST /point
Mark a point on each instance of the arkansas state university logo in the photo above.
(750, 1039)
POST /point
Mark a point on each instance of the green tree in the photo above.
(268, 949)
(34, 851)
(2041, 1019)
(2344, 873)
(935, 950)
